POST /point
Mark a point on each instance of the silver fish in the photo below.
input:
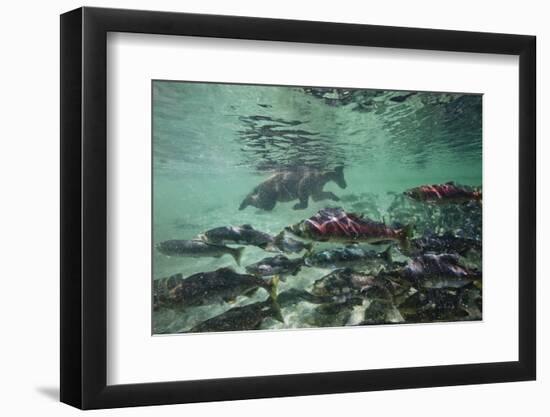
(203, 288)
(438, 271)
(276, 265)
(244, 235)
(248, 317)
(198, 248)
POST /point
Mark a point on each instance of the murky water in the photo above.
(214, 143)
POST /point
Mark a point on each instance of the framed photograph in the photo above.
(257, 208)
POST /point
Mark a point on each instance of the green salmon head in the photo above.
(299, 229)
(293, 229)
(414, 194)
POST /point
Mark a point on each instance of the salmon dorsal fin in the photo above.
(246, 226)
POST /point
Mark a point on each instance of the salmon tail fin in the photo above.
(267, 246)
(405, 236)
(237, 253)
(273, 284)
(276, 308)
(277, 242)
(386, 255)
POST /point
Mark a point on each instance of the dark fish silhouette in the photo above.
(293, 296)
(248, 317)
(438, 271)
(244, 235)
(197, 248)
(204, 288)
(446, 243)
(401, 99)
(346, 256)
(343, 285)
(277, 265)
(429, 305)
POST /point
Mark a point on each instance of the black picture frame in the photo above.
(84, 207)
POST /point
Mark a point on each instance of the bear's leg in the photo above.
(302, 204)
(268, 204)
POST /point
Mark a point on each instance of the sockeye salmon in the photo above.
(444, 193)
(335, 224)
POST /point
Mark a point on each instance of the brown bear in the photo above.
(296, 184)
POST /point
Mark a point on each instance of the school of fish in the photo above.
(370, 271)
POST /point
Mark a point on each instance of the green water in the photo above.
(213, 143)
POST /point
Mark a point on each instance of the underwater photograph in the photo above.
(292, 207)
